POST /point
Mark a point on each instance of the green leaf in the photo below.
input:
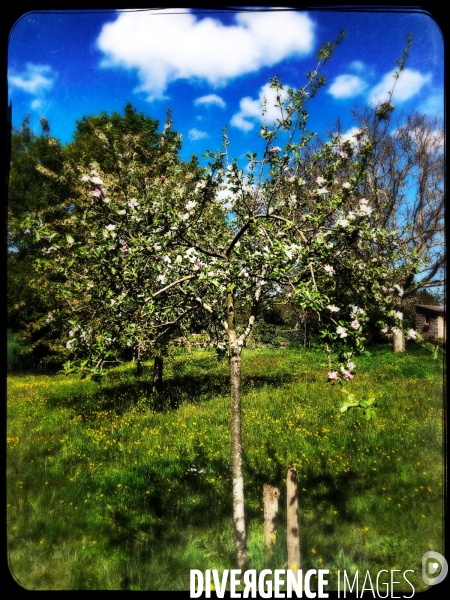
(69, 239)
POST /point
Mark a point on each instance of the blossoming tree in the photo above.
(140, 259)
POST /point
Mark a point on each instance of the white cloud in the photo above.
(35, 80)
(358, 66)
(167, 47)
(408, 85)
(350, 134)
(210, 99)
(37, 103)
(195, 134)
(250, 111)
(347, 86)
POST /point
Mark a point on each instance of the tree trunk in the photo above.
(293, 530)
(399, 341)
(157, 374)
(240, 536)
(270, 499)
(139, 367)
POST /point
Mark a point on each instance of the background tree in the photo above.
(405, 184)
(31, 293)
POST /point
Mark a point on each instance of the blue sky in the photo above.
(212, 67)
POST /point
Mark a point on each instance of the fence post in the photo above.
(293, 530)
(270, 499)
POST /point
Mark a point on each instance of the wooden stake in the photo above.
(293, 530)
(270, 498)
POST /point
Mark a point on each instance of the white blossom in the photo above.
(333, 308)
(342, 331)
(365, 210)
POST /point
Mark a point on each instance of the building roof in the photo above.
(431, 308)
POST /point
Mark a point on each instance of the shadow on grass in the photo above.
(122, 396)
(206, 506)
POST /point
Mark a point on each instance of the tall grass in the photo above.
(109, 489)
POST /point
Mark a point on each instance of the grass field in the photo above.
(106, 492)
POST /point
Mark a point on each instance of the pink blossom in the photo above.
(97, 193)
(329, 269)
(333, 375)
(85, 178)
(125, 249)
(347, 374)
(346, 185)
(355, 324)
(162, 178)
(342, 331)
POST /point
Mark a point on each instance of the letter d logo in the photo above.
(432, 567)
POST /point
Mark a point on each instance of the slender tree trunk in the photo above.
(399, 341)
(240, 535)
(157, 374)
(293, 530)
(139, 367)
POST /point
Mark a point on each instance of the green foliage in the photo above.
(105, 140)
(31, 295)
(368, 406)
